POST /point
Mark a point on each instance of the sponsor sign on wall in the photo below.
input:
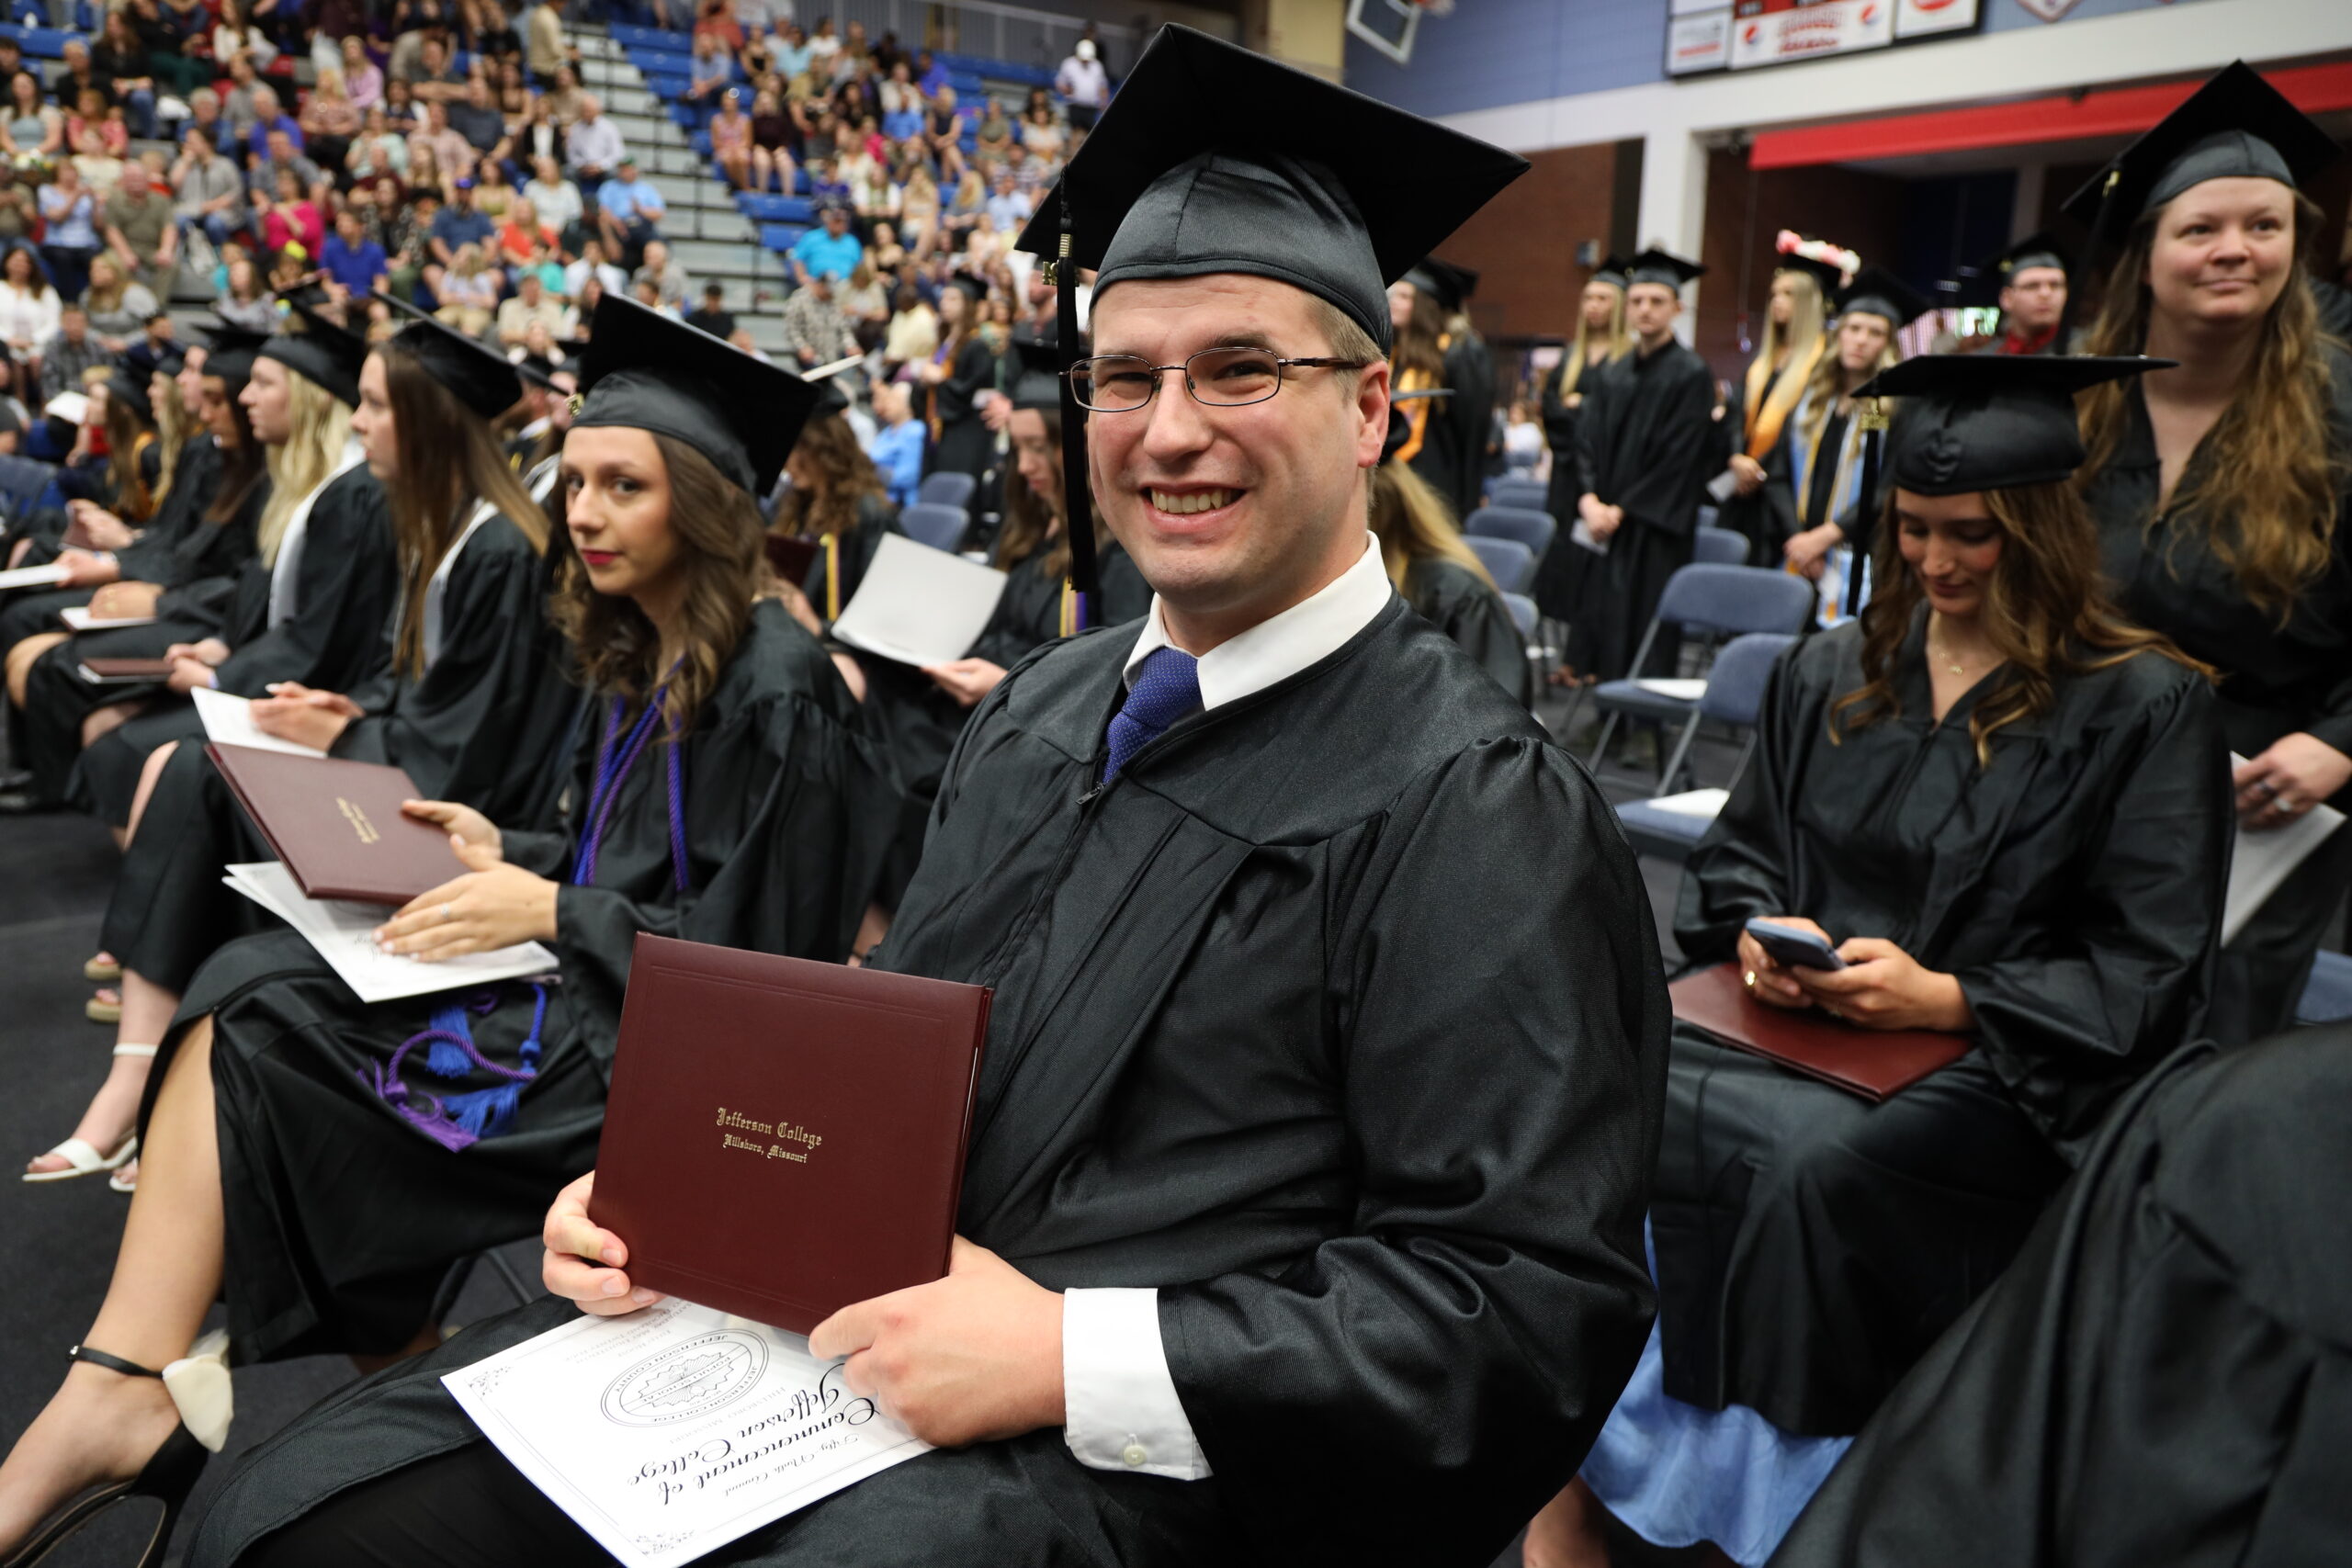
(1709, 35)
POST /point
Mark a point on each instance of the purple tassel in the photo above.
(461, 1119)
(485, 1112)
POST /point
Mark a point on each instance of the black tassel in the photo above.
(1077, 507)
(2102, 238)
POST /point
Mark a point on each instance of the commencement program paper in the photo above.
(669, 1432)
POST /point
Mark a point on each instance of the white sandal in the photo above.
(82, 1159)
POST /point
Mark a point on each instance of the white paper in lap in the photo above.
(33, 576)
(2263, 859)
(79, 619)
(229, 719)
(919, 606)
(343, 935)
(671, 1431)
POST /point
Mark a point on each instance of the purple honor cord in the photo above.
(459, 1121)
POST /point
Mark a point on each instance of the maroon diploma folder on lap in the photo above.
(785, 1137)
(338, 825)
(1873, 1063)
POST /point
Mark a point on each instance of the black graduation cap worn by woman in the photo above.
(1215, 160)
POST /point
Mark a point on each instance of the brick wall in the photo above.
(1524, 242)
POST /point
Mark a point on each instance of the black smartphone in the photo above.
(1797, 948)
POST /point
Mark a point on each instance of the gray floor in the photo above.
(59, 1240)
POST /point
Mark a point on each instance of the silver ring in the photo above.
(2266, 787)
(444, 913)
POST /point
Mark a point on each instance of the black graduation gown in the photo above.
(876, 517)
(1559, 576)
(1763, 517)
(2276, 680)
(1641, 444)
(197, 591)
(1453, 457)
(2165, 1375)
(490, 724)
(1260, 1041)
(342, 1217)
(346, 580)
(1466, 608)
(1811, 1245)
(964, 444)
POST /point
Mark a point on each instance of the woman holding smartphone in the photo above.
(1999, 802)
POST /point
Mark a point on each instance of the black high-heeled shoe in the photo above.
(167, 1478)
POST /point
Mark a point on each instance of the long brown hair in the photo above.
(618, 648)
(2263, 483)
(846, 476)
(1420, 343)
(1413, 522)
(2046, 611)
(242, 466)
(449, 460)
(128, 437)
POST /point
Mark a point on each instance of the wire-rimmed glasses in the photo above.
(1218, 378)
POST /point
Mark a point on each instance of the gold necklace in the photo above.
(1951, 664)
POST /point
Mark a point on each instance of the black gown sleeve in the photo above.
(1502, 1083)
(1739, 870)
(1474, 616)
(205, 564)
(1665, 491)
(345, 583)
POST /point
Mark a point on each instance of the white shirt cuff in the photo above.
(1118, 1396)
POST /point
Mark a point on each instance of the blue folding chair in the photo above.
(1520, 495)
(948, 487)
(1532, 528)
(1733, 696)
(941, 527)
(2327, 994)
(1711, 602)
(1508, 562)
(1719, 547)
(1522, 614)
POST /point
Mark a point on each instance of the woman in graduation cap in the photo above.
(1600, 340)
(182, 572)
(1796, 314)
(1439, 575)
(321, 1162)
(838, 501)
(2000, 801)
(1817, 471)
(1448, 446)
(2221, 488)
(960, 369)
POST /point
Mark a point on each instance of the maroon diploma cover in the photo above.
(338, 825)
(126, 669)
(785, 1137)
(1873, 1063)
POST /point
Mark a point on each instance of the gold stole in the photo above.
(1788, 390)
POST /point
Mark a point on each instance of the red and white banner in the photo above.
(1708, 35)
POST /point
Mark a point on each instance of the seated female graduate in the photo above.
(1999, 800)
(918, 712)
(837, 501)
(1815, 474)
(40, 537)
(2167, 1362)
(182, 573)
(474, 703)
(307, 1156)
(1437, 573)
(311, 606)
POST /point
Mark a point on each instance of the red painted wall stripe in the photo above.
(2122, 111)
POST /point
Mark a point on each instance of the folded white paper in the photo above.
(33, 576)
(80, 619)
(344, 935)
(229, 719)
(919, 606)
(1721, 488)
(1581, 533)
(671, 1431)
(2266, 857)
(1692, 802)
(1682, 689)
(71, 407)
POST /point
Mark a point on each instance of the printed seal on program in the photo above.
(704, 1374)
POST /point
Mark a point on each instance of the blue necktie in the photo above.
(1167, 687)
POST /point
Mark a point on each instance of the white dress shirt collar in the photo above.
(1281, 646)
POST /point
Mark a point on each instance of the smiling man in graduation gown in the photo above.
(1642, 449)
(1322, 1080)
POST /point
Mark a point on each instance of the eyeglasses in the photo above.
(1219, 378)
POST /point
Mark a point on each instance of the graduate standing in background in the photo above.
(2033, 287)
(1601, 341)
(2222, 488)
(1642, 455)
(1795, 317)
(1453, 450)
(1302, 1209)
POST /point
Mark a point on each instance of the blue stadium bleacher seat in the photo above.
(700, 141)
(781, 237)
(762, 207)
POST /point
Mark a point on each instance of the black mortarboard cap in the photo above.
(2034, 250)
(1829, 275)
(1213, 159)
(127, 386)
(1879, 292)
(1976, 421)
(470, 372)
(1661, 266)
(1615, 271)
(321, 352)
(643, 371)
(2235, 125)
(1449, 284)
(230, 350)
(535, 368)
(1039, 385)
(975, 288)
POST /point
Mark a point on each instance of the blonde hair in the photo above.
(1808, 317)
(1621, 342)
(2263, 483)
(320, 424)
(1413, 522)
(173, 426)
(1828, 383)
